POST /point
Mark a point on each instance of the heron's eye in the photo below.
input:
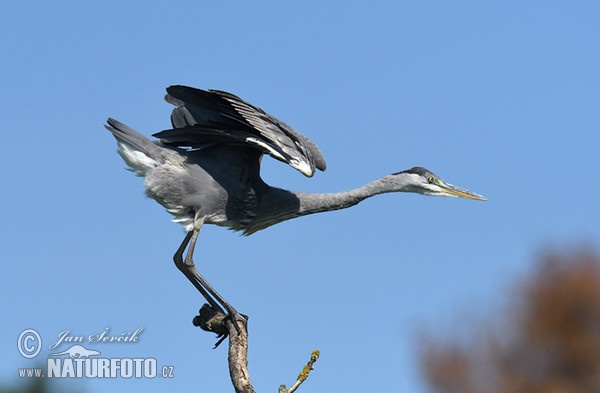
(430, 179)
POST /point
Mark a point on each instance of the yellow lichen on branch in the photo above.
(303, 374)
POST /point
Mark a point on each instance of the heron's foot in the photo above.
(235, 317)
(211, 320)
(214, 320)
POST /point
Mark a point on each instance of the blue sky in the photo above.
(500, 98)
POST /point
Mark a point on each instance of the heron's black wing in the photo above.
(204, 117)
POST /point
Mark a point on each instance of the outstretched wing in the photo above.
(206, 117)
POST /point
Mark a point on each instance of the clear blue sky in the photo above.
(501, 98)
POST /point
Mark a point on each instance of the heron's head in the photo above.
(423, 181)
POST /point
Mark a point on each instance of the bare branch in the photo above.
(238, 356)
(303, 374)
(215, 321)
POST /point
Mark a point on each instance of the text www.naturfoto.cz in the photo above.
(99, 368)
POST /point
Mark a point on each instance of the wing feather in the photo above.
(203, 117)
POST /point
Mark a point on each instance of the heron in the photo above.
(206, 170)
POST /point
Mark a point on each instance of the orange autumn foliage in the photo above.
(550, 340)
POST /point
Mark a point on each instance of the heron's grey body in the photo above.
(206, 170)
(195, 188)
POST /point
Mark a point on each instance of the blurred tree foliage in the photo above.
(547, 340)
(33, 385)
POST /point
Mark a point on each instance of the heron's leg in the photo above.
(189, 263)
(178, 258)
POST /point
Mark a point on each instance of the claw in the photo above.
(234, 317)
(215, 321)
(220, 341)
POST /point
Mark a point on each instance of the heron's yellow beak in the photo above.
(451, 190)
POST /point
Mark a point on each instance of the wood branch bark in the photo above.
(215, 321)
(238, 356)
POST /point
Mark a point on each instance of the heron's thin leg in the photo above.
(189, 262)
(178, 258)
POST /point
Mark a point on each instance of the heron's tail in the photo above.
(138, 151)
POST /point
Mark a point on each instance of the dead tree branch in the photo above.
(217, 322)
(303, 374)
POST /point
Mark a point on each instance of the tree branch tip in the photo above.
(303, 374)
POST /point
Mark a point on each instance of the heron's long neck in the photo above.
(280, 205)
(315, 203)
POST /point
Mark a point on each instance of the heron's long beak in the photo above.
(451, 190)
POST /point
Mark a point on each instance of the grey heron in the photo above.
(206, 170)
